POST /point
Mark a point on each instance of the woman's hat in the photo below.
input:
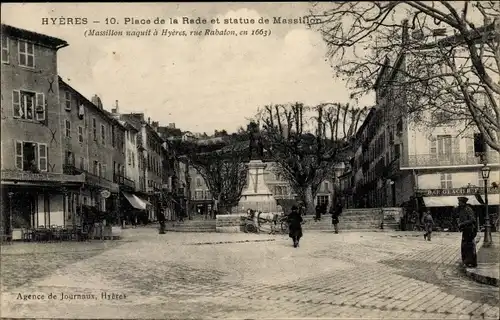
(463, 199)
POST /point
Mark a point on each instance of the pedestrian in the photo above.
(161, 220)
(428, 223)
(295, 226)
(467, 225)
(317, 217)
(336, 212)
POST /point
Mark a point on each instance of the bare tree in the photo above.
(222, 166)
(447, 54)
(306, 142)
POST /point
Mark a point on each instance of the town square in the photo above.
(315, 160)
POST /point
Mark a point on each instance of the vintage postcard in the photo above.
(258, 160)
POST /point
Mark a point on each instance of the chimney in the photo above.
(115, 110)
(97, 101)
(149, 120)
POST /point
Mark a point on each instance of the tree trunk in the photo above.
(309, 200)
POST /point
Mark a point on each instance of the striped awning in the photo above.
(135, 201)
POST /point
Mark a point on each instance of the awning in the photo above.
(135, 201)
(452, 201)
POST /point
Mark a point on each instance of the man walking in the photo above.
(161, 220)
(428, 223)
(336, 212)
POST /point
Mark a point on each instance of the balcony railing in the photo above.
(70, 169)
(90, 178)
(123, 181)
(444, 160)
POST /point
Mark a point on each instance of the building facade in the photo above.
(93, 144)
(34, 187)
(400, 162)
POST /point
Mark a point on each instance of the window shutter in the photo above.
(40, 107)
(432, 145)
(16, 103)
(42, 157)
(455, 149)
(19, 154)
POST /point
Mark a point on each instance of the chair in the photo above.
(27, 234)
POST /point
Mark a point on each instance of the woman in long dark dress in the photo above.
(295, 226)
(467, 224)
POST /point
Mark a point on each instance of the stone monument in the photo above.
(256, 194)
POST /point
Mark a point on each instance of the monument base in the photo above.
(256, 195)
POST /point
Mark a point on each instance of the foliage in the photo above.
(442, 79)
(303, 156)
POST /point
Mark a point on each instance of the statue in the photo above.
(256, 145)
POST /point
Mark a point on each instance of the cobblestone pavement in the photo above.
(347, 275)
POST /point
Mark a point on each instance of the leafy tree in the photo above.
(446, 52)
(306, 143)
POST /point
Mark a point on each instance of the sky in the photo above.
(200, 83)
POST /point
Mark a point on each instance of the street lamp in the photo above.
(485, 172)
(9, 233)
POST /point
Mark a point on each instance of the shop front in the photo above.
(442, 204)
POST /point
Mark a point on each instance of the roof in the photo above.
(39, 38)
(368, 118)
(475, 35)
(105, 113)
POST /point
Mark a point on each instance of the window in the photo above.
(82, 163)
(104, 167)
(69, 158)
(99, 168)
(26, 54)
(67, 100)
(132, 154)
(5, 50)
(113, 138)
(103, 134)
(26, 104)
(31, 156)
(94, 168)
(446, 182)
(129, 156)
(480, 180)
(94, 129)
(444, 145)
(198, 182)
(198, 194)
(327, 186)
(80, 134)
(67, 126)
(321, 200)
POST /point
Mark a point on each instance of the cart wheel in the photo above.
(250, 228)
(284, 227)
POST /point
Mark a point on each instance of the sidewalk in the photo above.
(488, 268)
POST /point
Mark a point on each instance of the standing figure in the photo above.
(295, 226)
(467, 225)
(428, 223)
(161, 220)
(317, 217)
(336, 212)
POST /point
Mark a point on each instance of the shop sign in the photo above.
(456, 191)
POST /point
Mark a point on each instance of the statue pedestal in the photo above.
(256, 195)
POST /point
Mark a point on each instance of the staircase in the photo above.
(347, 221)
(191, 226)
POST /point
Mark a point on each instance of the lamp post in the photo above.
(485, 172)
(9, 232)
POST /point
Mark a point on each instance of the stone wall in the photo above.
(230, 223)
(351, 219)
